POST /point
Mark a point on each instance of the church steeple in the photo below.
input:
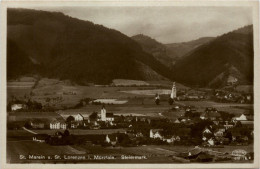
(173, 93)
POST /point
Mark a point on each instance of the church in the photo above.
(104, 116)
(174, 92)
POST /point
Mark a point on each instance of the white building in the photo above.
(56, 125)
(79, 117)
(103, 114)
(156, 133)
(111, 139)
(107, 117)
(173, 93)
(241, 118)
(17, 107)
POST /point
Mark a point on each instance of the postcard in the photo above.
(129, 84)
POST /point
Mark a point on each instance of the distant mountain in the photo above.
(58, 46)
(157, 49)
(211, 64)
(168, 54)
(180, 49)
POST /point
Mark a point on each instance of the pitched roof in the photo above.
(156, 130)
(110, 115)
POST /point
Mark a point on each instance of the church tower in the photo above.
(103, 114)
(173, 93)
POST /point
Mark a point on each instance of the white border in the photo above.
(46, 3)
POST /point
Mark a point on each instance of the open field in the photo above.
(125, 82)
(71, 94)
(23, 116)
(82, 132)
(229, 107)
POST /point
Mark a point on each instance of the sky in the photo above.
(165, 24)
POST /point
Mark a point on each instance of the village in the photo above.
(202, 129)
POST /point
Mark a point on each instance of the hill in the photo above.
(168, 54)
(54, 45)
(181, 49)
(157, 49)
(227, 56)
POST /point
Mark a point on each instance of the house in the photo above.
(177, 121)
(15, 107)
(139, 134)
(228, 126)
(112, 139)
(171, 139)
(156, 133)
(110, 117)
(40, 137)
(242, 117)
(79, 117)
(211, 141)
(74, 124)
(219, 132)
(56, 125)
(204, 116)
(248, 124)
(207, 130)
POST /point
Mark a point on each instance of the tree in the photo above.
(170, 101)
(157, 101)
(93, 116)
(70, 119)
(238, 124)
(66, 133)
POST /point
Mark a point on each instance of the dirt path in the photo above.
(30, 131)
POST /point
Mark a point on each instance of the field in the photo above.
(66, 94)
(24, 116)
(82, 132)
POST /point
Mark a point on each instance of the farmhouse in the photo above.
(241, 118)
(79, 117)
(156, 133)
(56, 125)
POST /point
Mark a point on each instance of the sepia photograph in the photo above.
(148, 84)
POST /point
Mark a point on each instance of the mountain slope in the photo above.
(67, 48)
(231, 51)
(158, 50)
(168, 54)
(181, 49)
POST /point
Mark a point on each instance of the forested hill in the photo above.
(58, 46)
